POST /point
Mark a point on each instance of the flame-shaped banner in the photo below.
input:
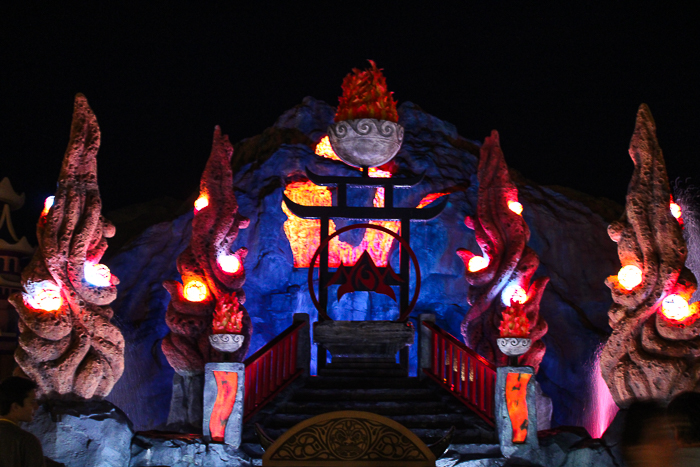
(502, 233)
(67, 344)
(210, 272)
(649, 356)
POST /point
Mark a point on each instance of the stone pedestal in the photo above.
(363, 340)
(515, 387)
(223, 403)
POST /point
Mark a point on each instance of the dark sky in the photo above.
(561, 83)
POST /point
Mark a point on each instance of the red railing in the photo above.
(271, 369)
(460, 370)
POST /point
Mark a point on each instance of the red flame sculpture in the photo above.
(214, 229)
(67, 344)
(649, 356)
(502, 233)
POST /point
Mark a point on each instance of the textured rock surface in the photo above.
(502, 235)
(147, 451)
(647, 355)
(568, 232)
(74, 349)
(81, 434)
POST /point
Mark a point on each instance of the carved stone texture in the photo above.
(648, 356)
(502, 235)
(214, 229)
(365, 142)
(349, 438)
(74, 350)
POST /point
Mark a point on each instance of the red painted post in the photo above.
(293, 359)
(435, 352)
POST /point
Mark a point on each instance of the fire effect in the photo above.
(516, 401)
(201, 202)
(45, 296)
(676, 210)
(98, 274)
(48, 202)
(477, 263)
(513, 293)
(629, 277)
(676, 308)
(515, 207)
(195, 291)
(226, 389)
(230, 264)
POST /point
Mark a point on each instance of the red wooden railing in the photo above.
(460, 370)
(271, 369)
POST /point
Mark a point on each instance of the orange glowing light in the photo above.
(429, 198)
(98, 274)
(195, 291)
(229, 263)
(201, 202)
(676, 308)
(477, 263)
(324, 149)
(629, 276)
(515, 207)
(676, 210)
(513, 293)
(516, 402)
(44, 296)
(48, 202)
(226, 389)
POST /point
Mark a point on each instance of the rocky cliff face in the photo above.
(568, 232)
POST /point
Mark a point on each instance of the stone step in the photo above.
(346, 382)
(432, 421)
(366, 372)
(378, 394)
(386, 408)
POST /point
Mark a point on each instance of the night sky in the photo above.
(561, 84)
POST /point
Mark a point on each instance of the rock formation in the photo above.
(502, 234)
(649, 355)
(67, 344)
(214, 229)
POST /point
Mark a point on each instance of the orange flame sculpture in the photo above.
(68, 345)
(654, 351)
(502, 235)
(214, 229)
(365, 95)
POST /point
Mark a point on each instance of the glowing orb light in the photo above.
(201, 202)
(48, 202)
(630, 276)
(195, 291)
(229, 263)
(515, 207)
(98, 274)
(477, 263)
(44, 295)
(513, 293)
(675, 307)
(676, 210)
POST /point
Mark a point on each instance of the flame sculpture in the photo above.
(206, 283)
(502, 233)
(67, 344)
(650, 355)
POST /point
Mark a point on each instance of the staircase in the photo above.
(382, 388)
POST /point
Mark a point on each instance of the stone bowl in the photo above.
(365, 142)
(226, 342)
(514, 346)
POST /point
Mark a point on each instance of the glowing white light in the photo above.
(229, 263)
(630, 277)
(676, 210)
(98, 274)
(676, 308)
(201, 202)
(44, 295)
(48, 202)
(477, 263)
(195, 291)
(513, 293)
(515, 207)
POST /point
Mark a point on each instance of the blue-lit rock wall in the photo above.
(568, 232)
